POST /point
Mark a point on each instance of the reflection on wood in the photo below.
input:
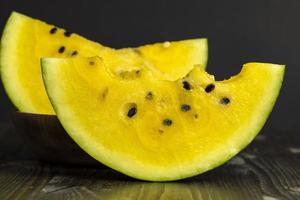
(268, 169)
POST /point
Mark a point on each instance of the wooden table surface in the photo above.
(268, 169)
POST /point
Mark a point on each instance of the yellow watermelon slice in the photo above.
(160, 130)
(25, 40)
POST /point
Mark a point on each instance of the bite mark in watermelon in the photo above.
(160, 130)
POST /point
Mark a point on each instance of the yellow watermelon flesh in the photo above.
(25, 40)
(160, 130)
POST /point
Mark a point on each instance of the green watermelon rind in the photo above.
(6, 47)
(267, 109)
(204, 51)
(235, 145)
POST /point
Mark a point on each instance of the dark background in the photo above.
(238, 32)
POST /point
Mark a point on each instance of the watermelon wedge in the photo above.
(25, 40)
(160, 130)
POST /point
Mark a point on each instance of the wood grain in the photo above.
(269, 169)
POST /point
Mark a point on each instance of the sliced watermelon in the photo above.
(160, 130)
(25, 40)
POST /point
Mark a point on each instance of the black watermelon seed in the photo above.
(149, 96)
(167, 122)
(225, 101)
(185, 107)
(131, 112)
(74, 53)
(186, 85)
(196, 116)
(67, 33)
(53, 30)
(92, 63)
(209, 88)
(61, 49)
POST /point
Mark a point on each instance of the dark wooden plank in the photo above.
(268, 169)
